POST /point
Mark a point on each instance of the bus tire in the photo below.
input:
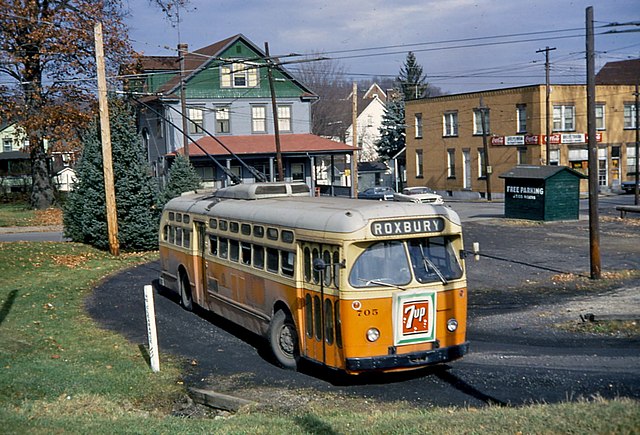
(283, 340)
(185, 292)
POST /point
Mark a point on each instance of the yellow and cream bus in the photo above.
(351, 284)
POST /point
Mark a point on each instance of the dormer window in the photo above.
(238, 75)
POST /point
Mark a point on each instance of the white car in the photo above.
(419, 194)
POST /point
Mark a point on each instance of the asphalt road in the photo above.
(515, 358)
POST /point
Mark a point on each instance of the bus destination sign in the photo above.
(407, 226)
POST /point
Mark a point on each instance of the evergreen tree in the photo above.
(392, 130)
(411, 80)
(182, 178)
(135, 189)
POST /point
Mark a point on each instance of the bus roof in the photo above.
(330, 214)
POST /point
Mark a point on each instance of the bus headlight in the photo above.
(373, 334)
(452, 325)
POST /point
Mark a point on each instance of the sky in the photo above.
(462, 45)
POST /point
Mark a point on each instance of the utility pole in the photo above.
(105, 133)
(182, 53)
(487, 167)
(354, 138)
(274, 107)
(548, 110)
(637, 94)
(594, 232)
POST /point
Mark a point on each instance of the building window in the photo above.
(7, 145)
(481, 163)
(451, 163)
(631, 159)
(196, 121)
(629, 115)
(564, 118)
(418, 122)
(600, 120)
(222, 120)
(522, 156)
(477, 121)
(238, 75)
(297, 172)
(284, 118)
(450, 124)
(521, 118)
(419, 170)
(554, 157)
(259, 119)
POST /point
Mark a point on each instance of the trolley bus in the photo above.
(350, 284)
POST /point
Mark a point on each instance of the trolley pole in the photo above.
(594, 231)
(485, 147)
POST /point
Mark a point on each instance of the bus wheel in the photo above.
(185, 292)
(283, 339)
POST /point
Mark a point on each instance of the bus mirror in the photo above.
(319, 265)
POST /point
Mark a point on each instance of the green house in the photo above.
(546, 193)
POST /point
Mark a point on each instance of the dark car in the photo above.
(628, 186)
(379, 193)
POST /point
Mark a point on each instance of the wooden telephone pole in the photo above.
(274, 107)
(105, 133)
(548, 102)
(354, 139)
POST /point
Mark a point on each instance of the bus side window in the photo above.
(224, 248)
(326, 257)
(328, 320)
(234, 250)
(336, 269)
(245, 249)
(179, 236)
(258, 256)
(165, 233)
(172, 234)
(316, 275)
(187, 238)
(287, 262)
(272, 260)
(307, 264)
(318, 318)
(308, 315)
(213, 245)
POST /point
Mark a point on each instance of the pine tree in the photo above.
(411, 80)
(392, 130)
(182, 178)
(135, 189)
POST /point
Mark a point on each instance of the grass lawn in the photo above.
(60, 373)
(21, 215)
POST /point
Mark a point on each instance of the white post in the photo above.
(151, 328)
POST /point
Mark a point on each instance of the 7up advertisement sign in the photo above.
(414, 317)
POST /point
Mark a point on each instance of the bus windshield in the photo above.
(432, 259)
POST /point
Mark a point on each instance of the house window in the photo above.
(259, 119)
(196, 121)
(481, 163)
(564, 118)
(521, 118)
(418, 122)
(477, 121)
(222, 120)
(284, 118)
(450, 124)
(631, 159)
(600, 122)
(451, 163)
(297, 171)
(238, 75)
(629, 115)
(419, 169)
(7, 145)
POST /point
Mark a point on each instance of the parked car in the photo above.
(628, 186)
(419, 194)
(380, 193)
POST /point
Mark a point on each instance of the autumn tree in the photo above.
(48, 56)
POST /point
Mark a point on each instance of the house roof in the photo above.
(538, 172)
(265, 144)
(14, 155)
(625, 72)
(197, 60)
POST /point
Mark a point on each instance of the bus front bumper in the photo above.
(409, 360)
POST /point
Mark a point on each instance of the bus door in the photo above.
(322, 341)
(200, 267)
